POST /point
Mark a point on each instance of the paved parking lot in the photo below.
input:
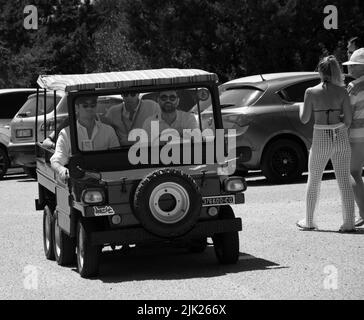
(277, 261)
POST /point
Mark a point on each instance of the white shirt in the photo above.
(103, 137)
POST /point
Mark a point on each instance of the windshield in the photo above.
(29, 107)
(114, 122)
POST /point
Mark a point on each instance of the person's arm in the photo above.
(61, 156)
(347, 110)
(306, 108)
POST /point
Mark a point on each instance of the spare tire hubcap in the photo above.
(169, 202)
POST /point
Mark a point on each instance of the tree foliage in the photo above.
(233, 38)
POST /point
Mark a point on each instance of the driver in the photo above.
(92, 135)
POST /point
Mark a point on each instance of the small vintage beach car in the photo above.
(175, 190)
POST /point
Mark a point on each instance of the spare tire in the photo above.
(167, 203)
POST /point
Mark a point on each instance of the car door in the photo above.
(293, 96)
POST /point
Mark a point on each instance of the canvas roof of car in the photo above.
(124, 79)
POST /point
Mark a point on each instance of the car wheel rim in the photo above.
(169, 202)
(284, 162)
(57, 236)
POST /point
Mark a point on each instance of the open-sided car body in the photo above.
(110, 199)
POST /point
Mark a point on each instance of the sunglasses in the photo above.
(165, 97)
(88, 105)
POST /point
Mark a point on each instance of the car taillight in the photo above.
(236, 119)
(23, 133)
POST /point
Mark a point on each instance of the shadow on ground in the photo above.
(171, 264)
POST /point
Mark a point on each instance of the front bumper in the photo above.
(22, 154)
(139, 234)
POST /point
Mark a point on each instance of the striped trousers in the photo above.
(330, 142)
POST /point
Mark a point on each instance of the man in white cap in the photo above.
(356, 132)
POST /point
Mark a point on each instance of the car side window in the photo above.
(296, 92)
(10, 103)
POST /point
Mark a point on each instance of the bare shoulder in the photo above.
(341, 90)
(314, 90)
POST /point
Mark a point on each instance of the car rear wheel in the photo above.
(226, 244)
(283, 161)
(4, 162)
(64, 245)
(48, 222)
(88, 256)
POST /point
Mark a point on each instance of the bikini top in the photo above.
(327, 113)
(327, 110)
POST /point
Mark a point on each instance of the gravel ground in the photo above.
(277, 261)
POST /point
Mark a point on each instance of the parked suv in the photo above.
(159, 189)
(10, 102)
(264, 110)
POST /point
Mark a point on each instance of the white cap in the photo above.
(356, 58)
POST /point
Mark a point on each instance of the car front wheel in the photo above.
(226, 244)
(283, 161)
(88, 256)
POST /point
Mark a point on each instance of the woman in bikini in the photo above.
(329, 102)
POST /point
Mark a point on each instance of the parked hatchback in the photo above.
(10, 102)
(264, 110)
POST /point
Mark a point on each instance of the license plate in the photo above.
(103, 211)
(218, 201)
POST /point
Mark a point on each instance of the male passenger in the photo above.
(91, 135)
(129, 115)
(169, 117)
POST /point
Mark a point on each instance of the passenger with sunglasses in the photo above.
(92, 135)
(169, 116)
(129, 115)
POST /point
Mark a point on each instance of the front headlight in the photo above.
(235, 184)
(93, 196)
